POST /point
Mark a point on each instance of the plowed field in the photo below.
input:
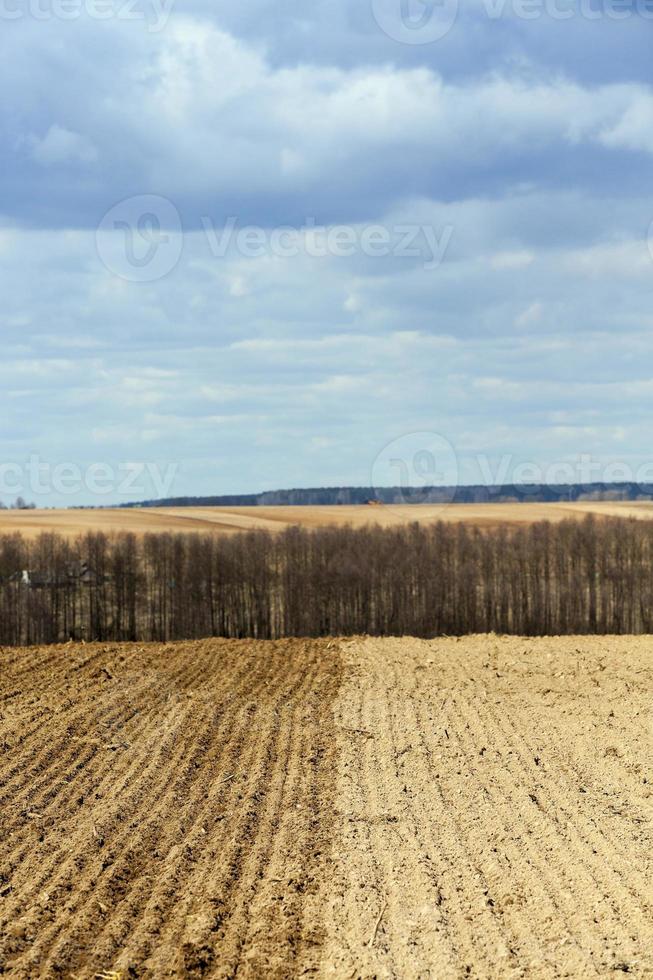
(356, 808)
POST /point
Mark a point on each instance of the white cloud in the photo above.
(207, 120)
(623, 260)
(634, 128)
(61, 146)
(512, 260)
(530, 316)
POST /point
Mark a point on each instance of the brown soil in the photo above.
(365, 808)
(162, 808)
(230, 520)
(495, 806)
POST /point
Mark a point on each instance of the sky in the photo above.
(247, 246)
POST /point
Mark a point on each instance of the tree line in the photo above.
(19, 504)
(594, 576)
(473, 494)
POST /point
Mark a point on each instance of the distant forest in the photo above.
(331, 496)
(590, 576)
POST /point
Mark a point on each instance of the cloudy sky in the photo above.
(268, 244)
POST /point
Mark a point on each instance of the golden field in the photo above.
(225, 520)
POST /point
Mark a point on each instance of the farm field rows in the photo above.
(338, 808)
(229, 520)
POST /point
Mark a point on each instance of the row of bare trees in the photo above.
(573, 577)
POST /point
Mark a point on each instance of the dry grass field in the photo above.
(232, 519)
(361, 808)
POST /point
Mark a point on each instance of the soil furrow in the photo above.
(403, 809)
